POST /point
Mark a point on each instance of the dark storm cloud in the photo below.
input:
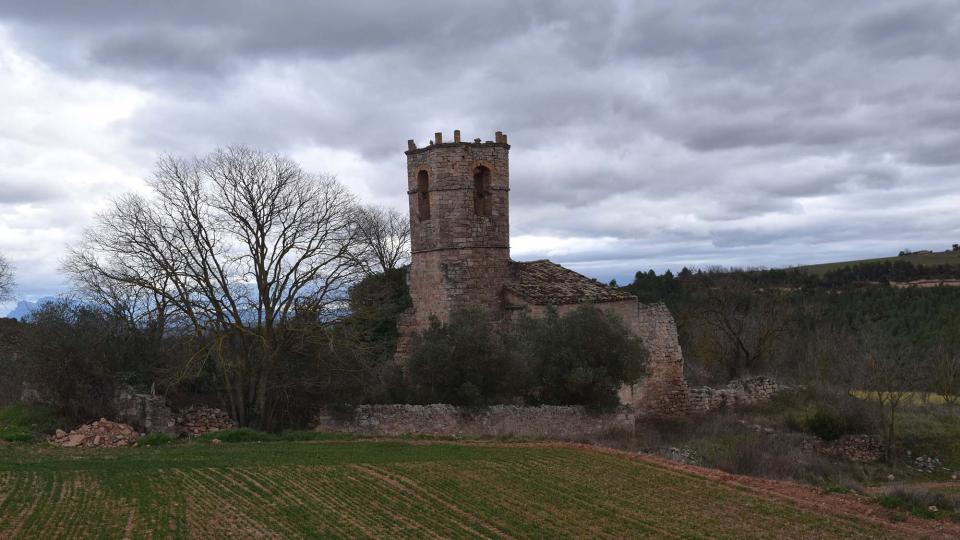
(644, 133)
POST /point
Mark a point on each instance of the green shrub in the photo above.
(463, 362)
(238, 435)
(154, 439)
(25, 422)
(917, 501)
(580, 358)
(826, 425)
(16, 434)
(305, 436)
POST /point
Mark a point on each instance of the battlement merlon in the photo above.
(500, 139)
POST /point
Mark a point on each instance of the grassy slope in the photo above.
(382, 489)
(933, 259)
(21, 422)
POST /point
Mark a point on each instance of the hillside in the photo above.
(919, 259)
(406, 490)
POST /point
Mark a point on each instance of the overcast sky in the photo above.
(644, 134)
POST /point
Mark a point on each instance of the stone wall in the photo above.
(739, 392)
(148, 413)
(544, 422)
(663, 392)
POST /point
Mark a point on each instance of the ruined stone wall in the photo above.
(547, 422)
(738, 392)
(148, 413)
(663, 392)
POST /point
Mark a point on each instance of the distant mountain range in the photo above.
(25, 307)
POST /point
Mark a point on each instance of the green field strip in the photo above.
(253, 505)
(373, 510)
(209, 508)
(383, 490)
(466, 520)
(579, 514)
(346, 498)
(422, 510)
(330, 515)
(18, 505)
(700, 494)
(492, 494)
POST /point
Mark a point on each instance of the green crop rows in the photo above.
(378, 489)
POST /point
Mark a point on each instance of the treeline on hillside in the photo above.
(650, 286)
(836, 332)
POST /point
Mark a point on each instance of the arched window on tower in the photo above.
(482, 196)
(423, 195)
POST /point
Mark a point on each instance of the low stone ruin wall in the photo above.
(544, 422)
(148, 413)
(735, 393)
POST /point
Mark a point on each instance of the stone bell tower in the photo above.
(459, 225)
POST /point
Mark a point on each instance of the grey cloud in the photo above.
(14, 191)
(916, 29)
(703, 132)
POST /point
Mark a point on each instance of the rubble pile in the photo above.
(928, 464)
(100, 434)
(197, 420)
(857, 448)
(681, 454)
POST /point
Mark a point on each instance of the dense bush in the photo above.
(463, 362)
(154, 439)
(24, 422)
(77, 355)
(581, 358)
(826, 425)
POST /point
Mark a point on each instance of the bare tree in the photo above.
(233, 244)
(945, 375)
(6, 279)
(385, 233)
(887, 374)
(737, 325)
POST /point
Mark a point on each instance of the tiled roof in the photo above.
(546, 283)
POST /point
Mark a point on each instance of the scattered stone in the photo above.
(681, 455)
(891, 477)
(926, 464)
(216, 441)
(100, 434)
(933, 508)
(856, 448)
(196, 421)
(953, 476)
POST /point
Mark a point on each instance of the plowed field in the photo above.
(387, 489)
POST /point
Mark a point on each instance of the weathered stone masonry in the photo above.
(460, 239)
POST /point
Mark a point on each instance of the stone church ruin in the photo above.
(460, 250)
